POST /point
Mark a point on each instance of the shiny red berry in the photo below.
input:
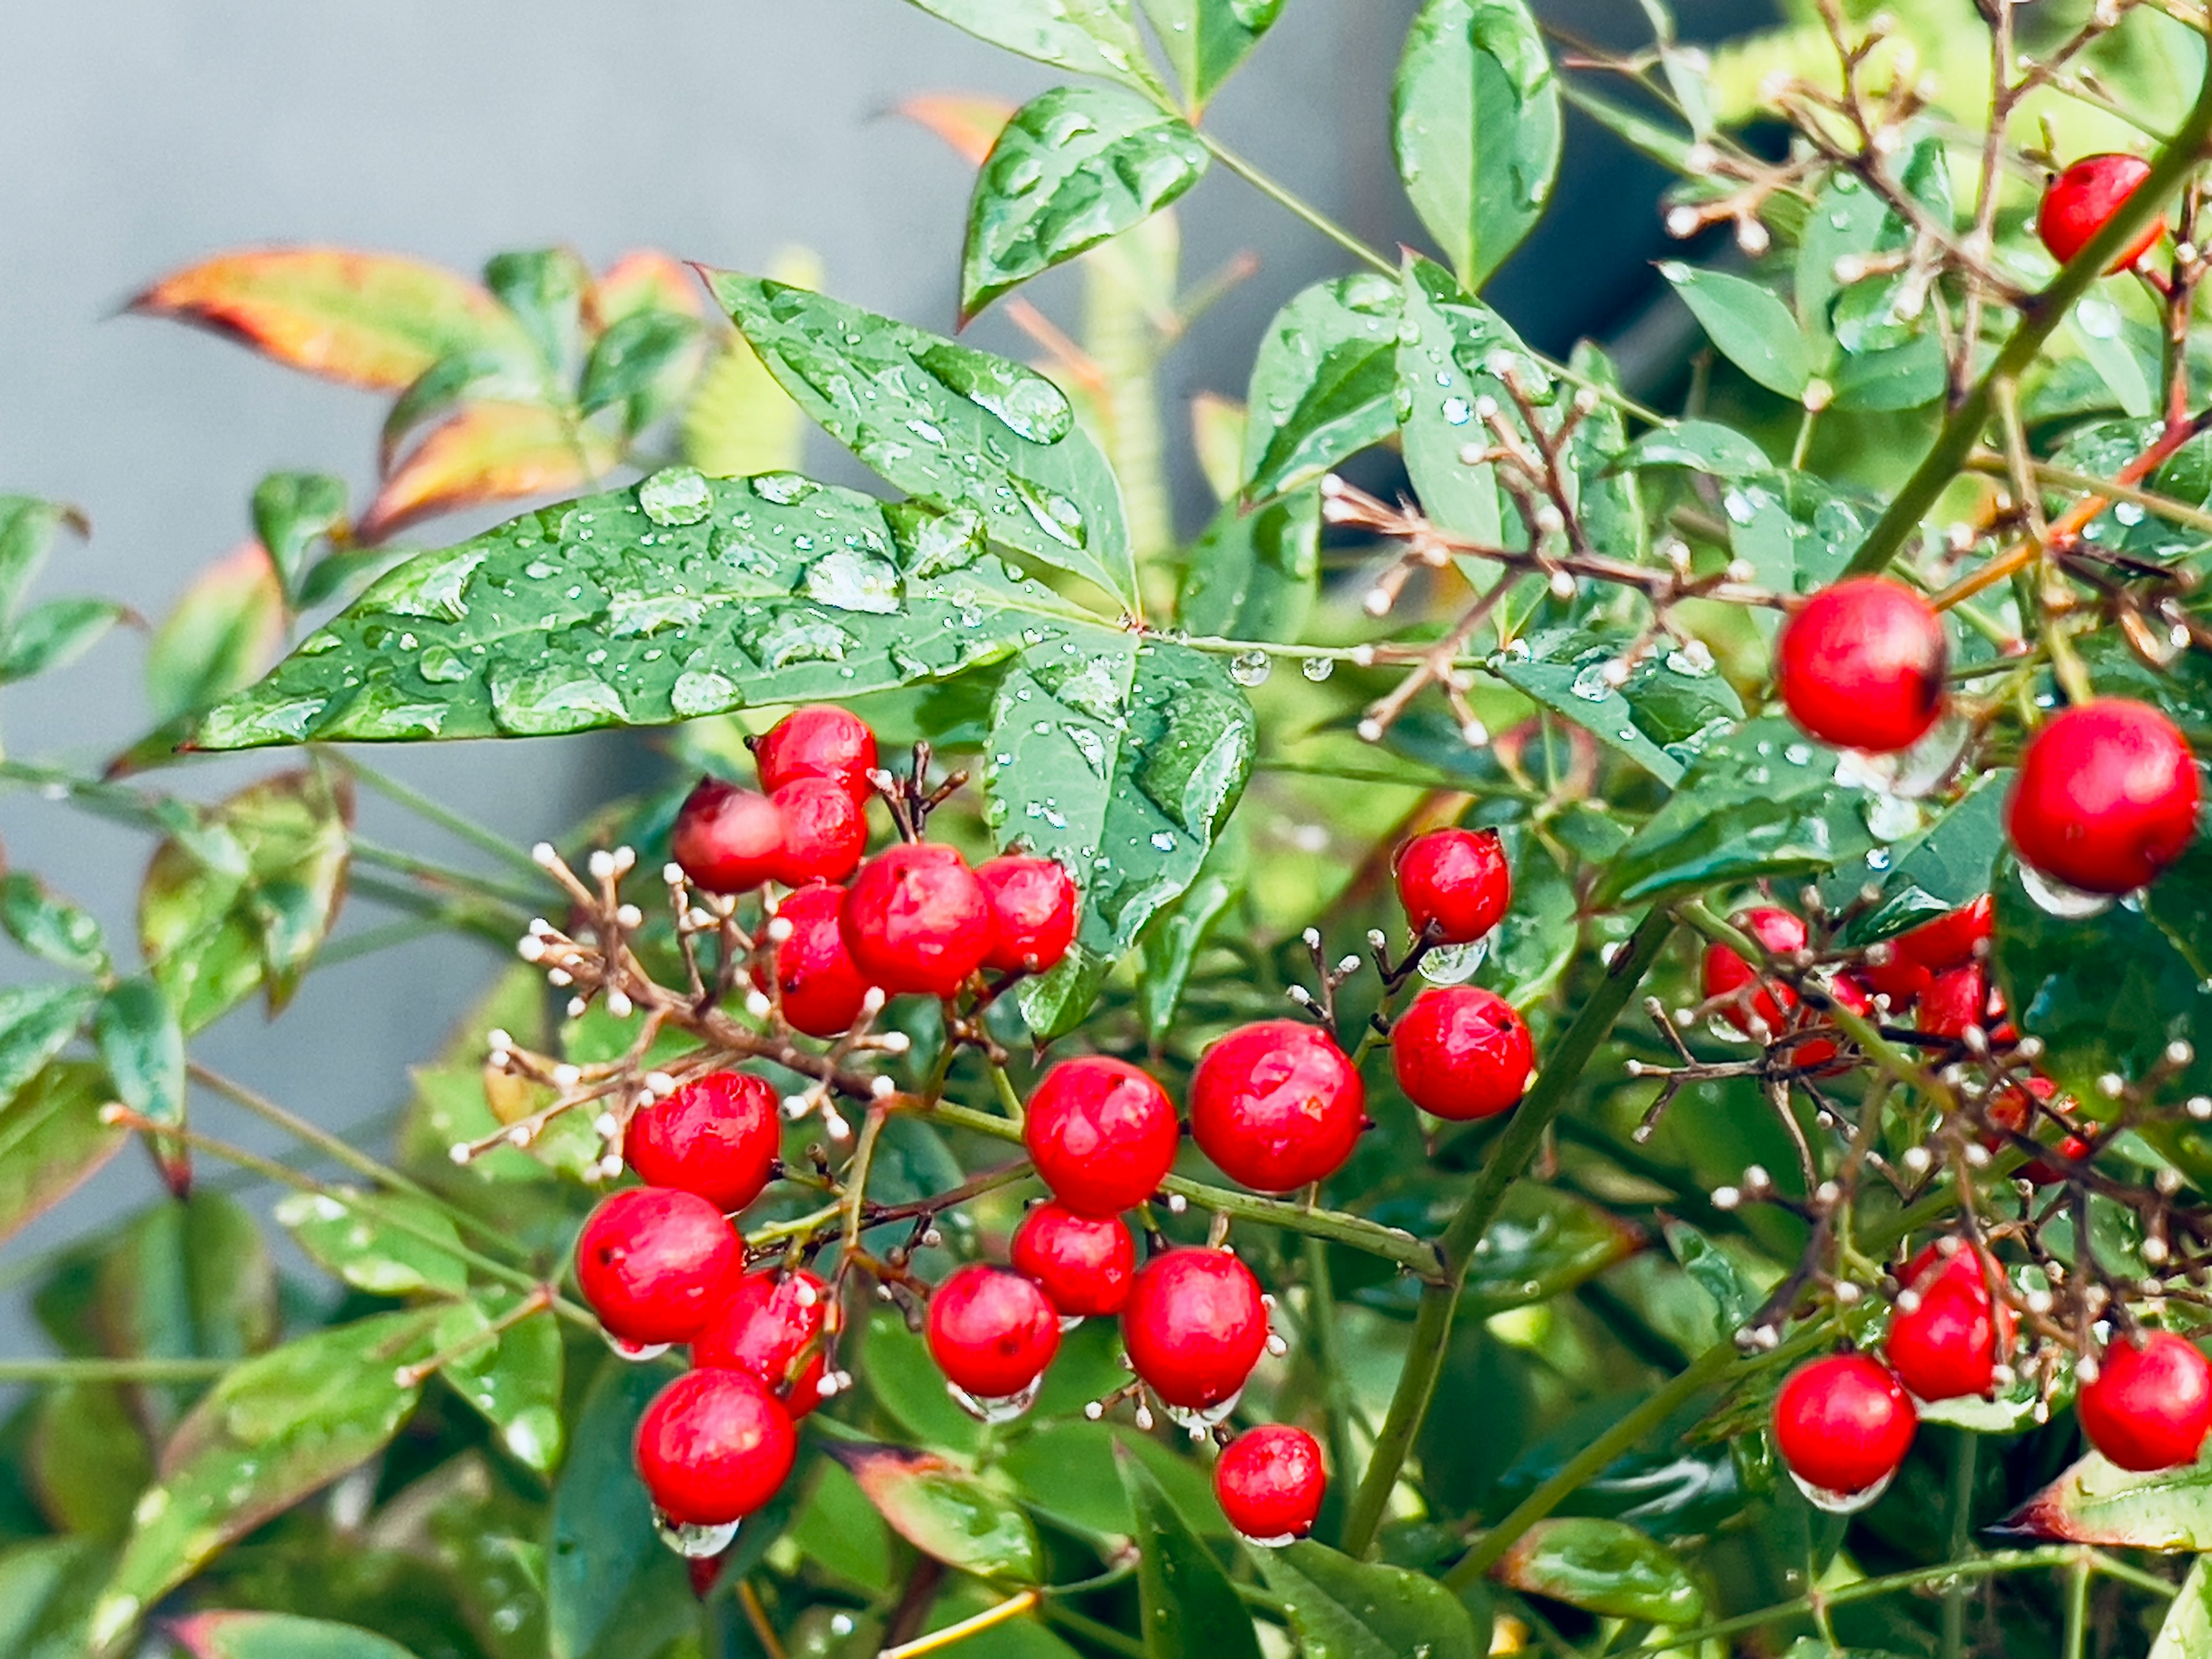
(771, 1326)
(1955, 999)
(1084, 1263)
(2106, 796)
(1843, 1424)
(1194, 1327)
(915, 919)
(1952, 939)
(1102, 1134)
(1949, 1333)
(2012, 1109)
(1725, 973)
(653, 1263)
(1032, 912)
(818, 741)
(1462, 1053)
(822, 989)
(717, 1136)
(727, 840)
(2151, 1404)
(1861, 665)
(713, 1447)
(1276, 1105)
(1847, 991)
(2078, 202)
(1456, 881)
(991, 1332)
(824, 831)
(1269, 1482)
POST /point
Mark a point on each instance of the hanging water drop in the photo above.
(694, 1541)
(1250, 668)
(2057, 899)
(1317, 668)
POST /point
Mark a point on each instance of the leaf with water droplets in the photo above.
(1206, 40)
(1795, 532)
(1753, 328)
(1341, 1608)
(1704, 446)
(1323, 383)
(513, 1378)
(390, 1245)
(1946, 866)
(1073, 167)
(488, 452)
(1450, 354)
(1604, 1567)
(1254, 574)
(1656, 715)
(1090, 37)
(951, 426)
(1475, 123)
(1189, 1608)
(2095, 1503)
(945, 1511)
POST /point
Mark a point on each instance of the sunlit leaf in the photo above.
(1604, 1567)
(221, 633)
(943, 1512)
(278, 1636)
(380, 1246)
(2093, 1502)
(490, 451)
(1206, 40)
(1346, 1609)
(1324, 383)
(1090, 37)
(51, 1139)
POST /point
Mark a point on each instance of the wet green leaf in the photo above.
(1189, 1608)
(1206, 40)
(839, 1529)
(642, 361)
(278, 1636)
(1611, 501)
(2095, 1503)
(1171, 947)
(2186, 1631)
(1341, 1608)
(143, 1048)
(1253, 573)
(1660, 717)
(1704, 447)
(1543, 1245)
(953, 427)
(1538, 938)
(1324, 382)
(943, 1512)
(1604, 1567)
(56, 634)
(51, 1139)
(27, 535)
(1090, 37)
(609, 1579)
(219, 635)
(1450, 356)
(1475, 123)
(1071, 169)
(378, 1245)
(36, 1022)
(1796, 533)
(1716, 1273)
(1066, 1471)
(191, 1279)
(1948, 866)
(513, 1378)
(48, 925)
(1753, 328)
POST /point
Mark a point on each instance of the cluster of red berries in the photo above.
(1461, 1052)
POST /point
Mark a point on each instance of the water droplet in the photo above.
(1694, 660)
(2057, 898)
(1250, 668)
(676, 496)
(1455, 964)
(1840, 1502)
(2127, 513)
(702, 691)
(785, 489)
(1000, 1408)
(1028, 403)
(636, 1352)
(1457, 411)
(1280, 1542)
(852, 581)
(441, 666)
(1317, 668)
(1591, 685)
(1163, 840)
(694, 1541)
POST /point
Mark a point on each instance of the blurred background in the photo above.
(141, 135)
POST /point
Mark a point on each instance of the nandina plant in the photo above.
(1590, 1045)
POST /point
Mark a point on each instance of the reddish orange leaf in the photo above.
(645, 280)
(490, 451)
(970, 122)
(371, 319)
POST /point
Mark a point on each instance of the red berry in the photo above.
(727, 840)
(2106, 796)
(1457, 880)
(1955, 999)
(991, 1332)
(1843, 1424)
(2077, 204)
(717, 1136)
(1861, 665)
(1847, 992)
(1276, 1105)
(771, 1326)
(1726, 972)
(1084, 1263)
(1462, 1053)
(2011, 1108)
(1949, 1343)
(1952, 940)
(824, 831)
(653, 1263)
(1194, 1327)
(1900, 979)
(915, 919)
(713, 1447)
(1269, 1482)
(2151, 1404)
(1032, 913)
(823, 990)
(1102, 1134)
(818, 741)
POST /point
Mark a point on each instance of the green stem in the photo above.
(2077, 1608)
(1328, 1355)
(1433, 1319)
(111, 1370)
(1284, 198)
(2043, 313)
(443, 817)
(430, 872)
(2088, 483)
(1964, 1446)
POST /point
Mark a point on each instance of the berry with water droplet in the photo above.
(653, 1263)
(2078, 202)
(716, 1136)
(1194, 1325)
(2106, 796)
(1100, 1132)
(1725, 973)
(2151, 1405)
(1269, 1482)
(824, 831)
(1456, 881)
(822, 989)
(727, 840)
(713, 1447)
(1084, 1263)
(1843, 1424)
(771, 1327)
(991, 1332)
(915, 919)
(1949, 1342)
(1462, 1053)
(818, 741)
(1032, 912)
(1276, 1104)
(1861, 665)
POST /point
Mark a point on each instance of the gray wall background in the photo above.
(138, 135)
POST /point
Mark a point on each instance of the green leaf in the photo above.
(944, 1512)
(1754, 329)
(36, 1022)
(1664, 144)
(27, 535)
(2093, 1502)
(1716, 1273)
(1948, 866)
(1611, 503)
(1324, 382)
(1543, 1245)
(608, 1579)
(951, 426)
(56, 634)
(641, 361)
(47, 925)
(1604, 1567)
(838, 1529)
(218, 638)
(51, 1139)
(2186, 1632)
(1341, 1608)
(514, 1379)
(1796, 533)
(1189, 1609)
(1206, 40)
(544, 290)
(46, 1591)
(143, 1048)
(1660, 717)
(1171, 947)
(1845, 220)
(1475, 123)
(272, 1430)
(1071, 169)
(1906, 376)
(88, 1458)
(1450, 355)
(1537, 941)
(293, 511)
(1068, 1471)
(1090, 37)
(191, 1279)
(1704, 447)
(278, 1636)
(1254, 574)
(377, 1247)
(738, 420)
(1121, 758)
